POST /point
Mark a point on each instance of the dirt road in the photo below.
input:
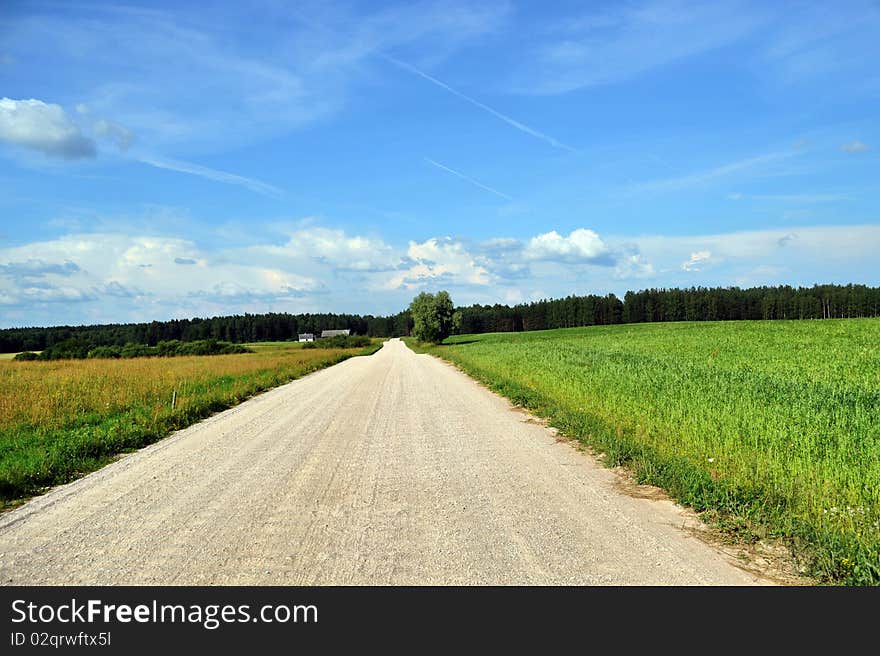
(389, 469)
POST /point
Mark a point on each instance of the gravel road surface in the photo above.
(389, 469)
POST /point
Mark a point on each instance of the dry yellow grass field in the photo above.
(63, 417)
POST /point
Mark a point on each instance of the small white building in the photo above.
(307, 337)
(334, 333)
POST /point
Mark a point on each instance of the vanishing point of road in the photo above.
(389, 469)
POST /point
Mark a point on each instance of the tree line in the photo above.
(691, 304)
(235, 328)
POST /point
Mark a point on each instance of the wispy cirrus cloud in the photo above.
(700, 178)
(823, 41)
(792, 198)
(522, 127)
(467, 178)
(604, 46)
(178, 62)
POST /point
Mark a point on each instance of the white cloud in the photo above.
(439, 260)
(192, 85)
(700, 178)
(111, 276)
(854, 146)
(44, 127)
(802, 198)
(633, 265)
(581, 245)
(696, 261)
(96, 265)
(607, 46)
(336, 248)
(120, 135)
(807, 255)
(513, 296)
(501, 244)
(823, 41)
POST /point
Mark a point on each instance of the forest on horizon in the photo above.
(648, 305)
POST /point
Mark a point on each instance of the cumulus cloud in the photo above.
(84, 267)
(439, 260)
(854, 146)
(113, 276)
(581, 245)
(335, 247)
(44, 127)
(696, 261)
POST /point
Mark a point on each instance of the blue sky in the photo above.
(162, 161)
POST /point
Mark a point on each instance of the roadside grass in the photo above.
(263, 346)
(769, 429)
(64, 418)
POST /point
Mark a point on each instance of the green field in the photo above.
(771, 429)
(62, 418)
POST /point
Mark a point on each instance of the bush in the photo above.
(68, 349)
(169, 348)
(132, 350)
(75, 349)
(105, 352)
(209, 347)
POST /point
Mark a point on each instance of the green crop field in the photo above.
(771, 429)
(62, 418)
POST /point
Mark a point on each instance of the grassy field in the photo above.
(60, 419)
(771, 429)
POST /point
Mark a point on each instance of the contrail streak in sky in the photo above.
(212, 174)
(510, 121)
(467, 179)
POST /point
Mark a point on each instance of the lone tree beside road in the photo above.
(433, 317)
